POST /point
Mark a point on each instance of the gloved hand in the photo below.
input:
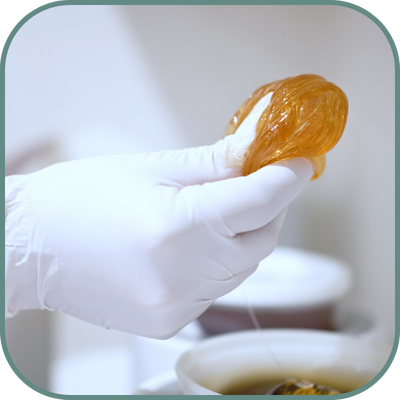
(143, 243)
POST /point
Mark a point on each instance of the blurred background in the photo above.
(92, 80)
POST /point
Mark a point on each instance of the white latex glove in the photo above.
(142, 243)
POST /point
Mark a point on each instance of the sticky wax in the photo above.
(305, 118)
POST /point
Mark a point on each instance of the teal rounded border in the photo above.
(260, 2)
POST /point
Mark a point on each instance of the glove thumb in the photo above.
(222, 160)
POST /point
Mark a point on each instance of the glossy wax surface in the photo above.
(294, 387)
(305, 118)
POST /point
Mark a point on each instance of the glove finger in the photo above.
(227, 286)
(198, 165)
(250, 248)
(243, 204)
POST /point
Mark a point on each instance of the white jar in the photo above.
(215, 364)
(291, 288)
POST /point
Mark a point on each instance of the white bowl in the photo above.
(326, 358)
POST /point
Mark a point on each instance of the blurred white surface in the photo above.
(91, 80)
(163, 384)
(154, 358)
(99, 371)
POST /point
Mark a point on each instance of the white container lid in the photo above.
(291, 278)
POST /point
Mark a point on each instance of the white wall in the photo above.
(89, 75)
(73, 71)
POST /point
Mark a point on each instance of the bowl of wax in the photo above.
(292, 288)
(259, 362)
